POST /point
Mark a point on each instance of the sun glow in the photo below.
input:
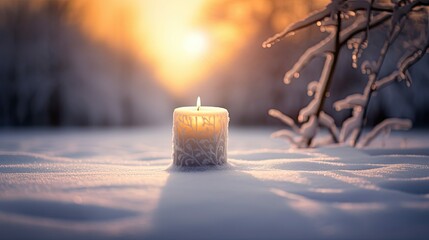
(195, 44)
(175, 48)
(182, 42)
(165, 35)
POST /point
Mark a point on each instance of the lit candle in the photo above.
(200, 135)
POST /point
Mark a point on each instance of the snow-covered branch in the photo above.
(328, 122)
(326, 44)
(299, 136)
(311, 19)
(361, 17)
(387, 125)
(402, 72)
(396, 26)
(285, 119)
(289, 135)
(355, 100)
(331, 9)
(312, 107)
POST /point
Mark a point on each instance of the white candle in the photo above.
(200, 135)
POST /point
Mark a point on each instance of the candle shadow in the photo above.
(224, 203)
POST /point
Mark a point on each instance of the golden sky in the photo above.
(183, 41)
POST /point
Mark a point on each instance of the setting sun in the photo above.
(195, 44)
(182, 42)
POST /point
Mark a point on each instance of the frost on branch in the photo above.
(300, 135)
(285, 119)
(351, 125)
(290, 30)
(402, 72)
(387, 125)
(312, 107)
(354, 100)
(351, 23)
(328, 122)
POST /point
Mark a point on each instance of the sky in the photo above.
(183, 41)
(131, 62)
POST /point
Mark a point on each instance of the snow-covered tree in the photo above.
(350, 23)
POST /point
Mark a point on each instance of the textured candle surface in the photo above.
(200, 136)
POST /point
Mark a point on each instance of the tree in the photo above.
(350, 22)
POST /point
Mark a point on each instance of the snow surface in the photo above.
(118, 183)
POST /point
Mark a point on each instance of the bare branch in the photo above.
(309, 129)
(363, 42)
(325, 45)
(284, 133)
(311, 19)
(352, 6)
(386, 125)
(312, 88)
(329, 20)
(351, 101)
(404, 64)
(329, 123)
(321, 48)
(397, 22)
(351, 124)
(356, 5)
(285, 119)
(313, 106)
(402, 72)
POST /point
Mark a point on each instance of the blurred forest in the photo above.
(54, 72)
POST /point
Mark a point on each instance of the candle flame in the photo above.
(198, 103)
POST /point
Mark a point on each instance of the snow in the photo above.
(118, 184)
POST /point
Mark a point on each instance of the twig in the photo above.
(397, 17)
(336, 52)
(387, 124)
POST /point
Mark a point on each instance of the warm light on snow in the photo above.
(102, 183)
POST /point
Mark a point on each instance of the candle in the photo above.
(200, 135)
